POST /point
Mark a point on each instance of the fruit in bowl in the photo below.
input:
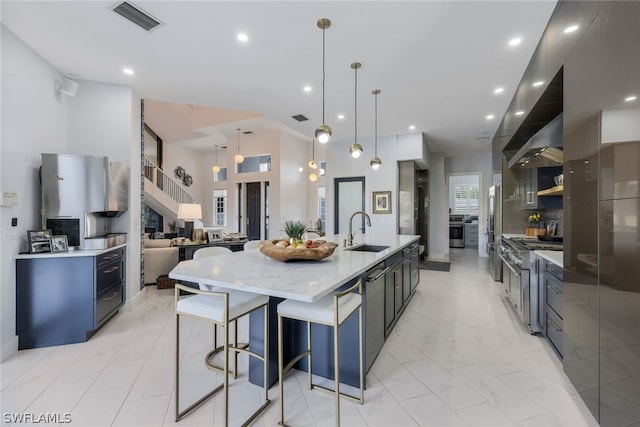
(283, 250)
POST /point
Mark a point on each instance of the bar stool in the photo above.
(331, 310)
(220, 307)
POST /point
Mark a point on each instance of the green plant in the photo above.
(534, 218)
(173, 226)
(294, 230)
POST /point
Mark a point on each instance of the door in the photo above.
(422, 209)
(253, 210)
(349, 198)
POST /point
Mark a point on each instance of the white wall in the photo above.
(479, 164)
(32, 122)
(438, 219)
(101, 119)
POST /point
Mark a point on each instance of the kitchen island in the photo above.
(309, 281)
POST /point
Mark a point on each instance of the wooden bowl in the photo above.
(324, 249)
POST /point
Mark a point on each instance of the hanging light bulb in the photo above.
(323, 132)
(375, 161)
(313, 165)
(215, 168)
(313, 177)
(355, 149)
(238, 158)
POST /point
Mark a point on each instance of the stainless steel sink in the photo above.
(368, 248)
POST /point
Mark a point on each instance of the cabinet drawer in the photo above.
(108, 301)
(108, 274)
(109, 256)
(554, 291)
(553, 330)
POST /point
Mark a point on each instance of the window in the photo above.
(322, 204)
(260, 163)
(220, 176)
(466, 199)
(220, 208)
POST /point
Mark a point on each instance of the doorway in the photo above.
(422, 210)
(253, 210)
(349, 198)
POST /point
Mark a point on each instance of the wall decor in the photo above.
(187, 180)
(179, 172)
(39, 241)
(381, 202)
(59, 243)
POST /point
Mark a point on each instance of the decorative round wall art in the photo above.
(187, 180)
(179, 172)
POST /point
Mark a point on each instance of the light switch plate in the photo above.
(10, 233)
(9, 198)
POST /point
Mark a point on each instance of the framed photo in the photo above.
(39, 241)
(214, 235)
(381, 202)
(59, 243)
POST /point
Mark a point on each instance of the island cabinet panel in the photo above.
(65, 299)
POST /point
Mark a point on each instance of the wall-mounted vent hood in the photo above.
(542, 149)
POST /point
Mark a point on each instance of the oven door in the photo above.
(516, 282)
(456, 235)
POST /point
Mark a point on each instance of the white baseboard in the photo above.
(8, 348)
(132, 303)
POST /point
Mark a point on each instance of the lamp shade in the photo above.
(189, 211)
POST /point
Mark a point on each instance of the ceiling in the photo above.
(436, 62)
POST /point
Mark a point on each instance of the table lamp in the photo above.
(189, 212)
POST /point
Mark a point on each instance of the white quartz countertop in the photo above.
(551, 256)
(87, 252)
(518, 236)
(306, 281)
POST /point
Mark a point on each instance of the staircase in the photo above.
(162, 193)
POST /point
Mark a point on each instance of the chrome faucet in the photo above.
(350, 234)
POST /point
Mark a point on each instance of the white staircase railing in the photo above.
(167, 184)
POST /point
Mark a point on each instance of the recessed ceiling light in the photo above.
(128, 71)
(631, 98)
(307, 88)
(498, 90)
(412, 127)
(300, 169)
(340, 116)
(490, 117)
(519, 113)
(515, 41)
(538, 83)
(243, 37)
(570, 29)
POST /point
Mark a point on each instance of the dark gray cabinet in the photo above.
(374, 313)
(66, 299)
(533, 180)
(550, 304)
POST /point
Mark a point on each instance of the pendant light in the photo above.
(238, 158)
(323, 132)
(355, 149)
(375, 161)
(313, 176)
(215, 168)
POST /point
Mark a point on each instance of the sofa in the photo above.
(160, 256)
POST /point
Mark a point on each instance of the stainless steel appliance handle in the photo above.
(111, 270)
(555, 290)
(554, 325)
(517, 273)
(382, 273)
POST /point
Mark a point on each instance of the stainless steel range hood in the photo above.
(542, 149)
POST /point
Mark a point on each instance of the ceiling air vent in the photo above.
(137, 16)
(300, 118)
(247, 132)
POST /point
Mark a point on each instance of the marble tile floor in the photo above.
(457, 357)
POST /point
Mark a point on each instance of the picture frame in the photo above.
(59, 243)
(214, 235)
(39, 241)
(381, 202)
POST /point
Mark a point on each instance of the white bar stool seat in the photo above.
(220, 307)
(331, 310)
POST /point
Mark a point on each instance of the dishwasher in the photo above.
(374, 313)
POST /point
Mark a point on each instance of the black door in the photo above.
(349, 198)
(253, 210)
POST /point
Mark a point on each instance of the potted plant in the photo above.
(173, 227)
(535, 225)
(294, 230)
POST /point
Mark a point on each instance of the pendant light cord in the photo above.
(355, 114)
(376, 128)
(323, 75)
(238, 145)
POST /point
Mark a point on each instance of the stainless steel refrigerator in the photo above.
(494, 231)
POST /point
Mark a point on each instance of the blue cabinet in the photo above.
(66, 299)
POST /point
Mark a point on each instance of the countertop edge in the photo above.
(555, 257)
(69, 254)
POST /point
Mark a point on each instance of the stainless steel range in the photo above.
(521, 288)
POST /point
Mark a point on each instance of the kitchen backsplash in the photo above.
(555, 214)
